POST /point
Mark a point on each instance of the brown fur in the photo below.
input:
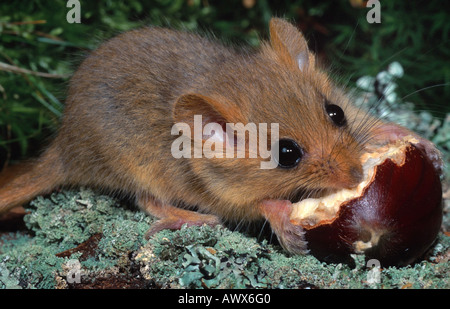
(126, 95)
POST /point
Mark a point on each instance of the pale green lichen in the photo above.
(30, 264)
(231, 260)
(194, 257)
(62, 222)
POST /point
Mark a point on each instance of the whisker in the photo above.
(423, 89)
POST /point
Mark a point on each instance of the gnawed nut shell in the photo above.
(394, 215)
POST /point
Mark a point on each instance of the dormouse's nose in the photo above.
(346, 176)
(356, 175)
(339, 171)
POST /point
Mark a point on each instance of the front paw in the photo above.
(290, 236)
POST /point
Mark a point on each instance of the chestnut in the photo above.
(394, 215)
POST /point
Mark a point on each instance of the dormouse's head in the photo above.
(319, 133)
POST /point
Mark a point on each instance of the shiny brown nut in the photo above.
(393, 216)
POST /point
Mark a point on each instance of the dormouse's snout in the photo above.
(335, 169)
(356, 174)
(352, 176)
(341, 171)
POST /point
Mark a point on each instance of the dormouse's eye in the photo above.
(289, 153)
(336, 114)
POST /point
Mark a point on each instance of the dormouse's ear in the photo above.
(290, 45)
(190, 105)
(214, 111)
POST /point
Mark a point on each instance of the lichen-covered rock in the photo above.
(111, 251)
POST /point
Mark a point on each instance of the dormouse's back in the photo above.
(150, 58)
